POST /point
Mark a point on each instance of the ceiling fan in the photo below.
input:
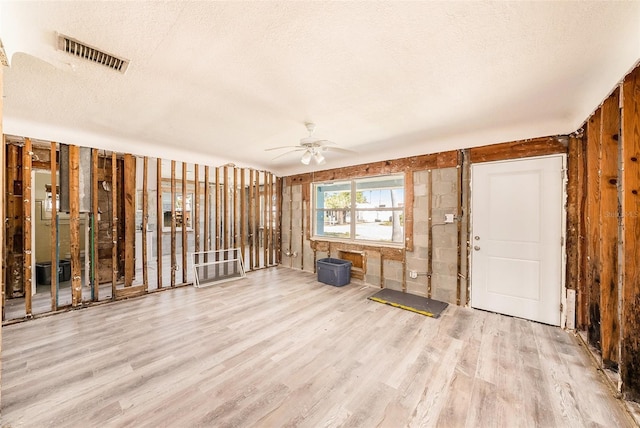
(311, 147)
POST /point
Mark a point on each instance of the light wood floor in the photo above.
(280, 349)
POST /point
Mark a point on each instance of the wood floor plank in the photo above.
(279, 349)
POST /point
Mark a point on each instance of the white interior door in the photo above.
(516, 237)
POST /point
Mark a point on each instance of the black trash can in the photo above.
(43, 272)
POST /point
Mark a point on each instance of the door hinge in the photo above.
(561, 307)
(562, 241)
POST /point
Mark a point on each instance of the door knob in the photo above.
(477, 248)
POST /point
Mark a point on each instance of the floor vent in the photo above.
(82, 50)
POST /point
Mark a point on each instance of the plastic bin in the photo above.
(43, 272)
(334, 271)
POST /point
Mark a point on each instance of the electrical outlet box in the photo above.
(413, 274)
(449, 218)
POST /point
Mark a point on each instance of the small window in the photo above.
(364, 209)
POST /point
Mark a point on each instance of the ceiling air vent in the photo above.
(82, 50)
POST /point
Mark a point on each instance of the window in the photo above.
(364, 209)
(182, 215)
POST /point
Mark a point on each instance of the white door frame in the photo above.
(563, 252)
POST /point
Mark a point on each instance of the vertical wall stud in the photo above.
(608, 217)
(183, 228)
(243, 212)
(196, 208)
(630, 296)
(174, 262)
(114, 224)
(54, 226)
(593, 227)
(95, 221)
(145, 223)
(159, 221)
(207, 208)
(27, 199)
(129, 193)
(74, 225)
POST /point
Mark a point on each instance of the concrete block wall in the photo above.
(442, 191)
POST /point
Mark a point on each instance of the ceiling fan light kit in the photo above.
(311, 147)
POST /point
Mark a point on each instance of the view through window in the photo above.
(367, 209)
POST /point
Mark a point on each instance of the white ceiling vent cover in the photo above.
(82, 50)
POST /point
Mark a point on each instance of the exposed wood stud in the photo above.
(582, 300)
(196, 208)
(216, 222)
(279, 182)
(95, 227)
(630, 303)
(114, 224)
(129, 191)
(243, 213)
(159, 221)
(265, 226)
(174, 260)
(303, 216)
(207, 208)
(592, 210)
(609, 320)
(145, 223)
(236, 208)
(54, 227)
(408, 214)
(225, 208)
(184, 222)
(256, 220)
(27, 200)
(74, 225)
(251, 215)
(381, 271)
(459, 229)
(572, 215)
(429, 231)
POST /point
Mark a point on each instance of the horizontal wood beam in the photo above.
(519, 149)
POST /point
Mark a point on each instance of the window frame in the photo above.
(353, 210)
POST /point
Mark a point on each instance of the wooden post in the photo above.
(573, 167)
(265, 220)
(268, 260)
(54, 227)
(250, 215)
(159, 221)
(216, 221)
(279, 222)
(609, 323)
(582, 300)
(256, 219)
(145, 222)
(95, 221)
(429, 232)
(114, 224)
(74, 225)
(173, 224)
(183, 228)
(236, 208)
(196, 208)
(27, 274)
(129, 190)
(630, 352)
(207, 207)
(593, 228)
(243, 212)
(225, 205)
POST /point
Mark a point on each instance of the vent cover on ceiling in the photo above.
(82, 50)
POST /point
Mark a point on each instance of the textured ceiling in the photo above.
(219, 82)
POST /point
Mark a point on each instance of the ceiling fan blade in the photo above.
(337, 149)
(286, 153)
(281, 147)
